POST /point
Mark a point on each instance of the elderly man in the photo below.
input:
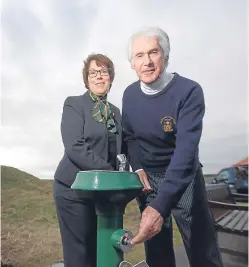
(162, 120)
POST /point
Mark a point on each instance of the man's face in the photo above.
(147, 58)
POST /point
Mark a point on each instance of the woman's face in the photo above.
(98, 79)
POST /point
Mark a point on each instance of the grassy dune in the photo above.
(30, 235)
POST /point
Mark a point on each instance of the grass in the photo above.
(30, 234)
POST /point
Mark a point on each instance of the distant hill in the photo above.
(30, 235)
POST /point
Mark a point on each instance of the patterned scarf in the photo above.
(101, 111)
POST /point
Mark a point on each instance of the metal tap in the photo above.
(122, 159)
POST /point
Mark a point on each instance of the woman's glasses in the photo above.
(94, 73)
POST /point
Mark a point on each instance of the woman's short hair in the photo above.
(161, 36)
(101, 60)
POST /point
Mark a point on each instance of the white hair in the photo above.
(156, 32)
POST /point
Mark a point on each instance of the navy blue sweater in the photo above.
(162, 134)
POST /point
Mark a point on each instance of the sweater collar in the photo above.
(157, 86)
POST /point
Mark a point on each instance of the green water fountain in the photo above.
(111, 192)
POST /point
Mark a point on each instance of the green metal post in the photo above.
(110, 218)
(107, 255)
(111, 192)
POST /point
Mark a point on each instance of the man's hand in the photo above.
(144, 179)
(150, 225)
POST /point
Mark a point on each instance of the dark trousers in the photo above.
(78, 227)
(195, 223)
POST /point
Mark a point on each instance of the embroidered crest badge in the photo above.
(168, 124)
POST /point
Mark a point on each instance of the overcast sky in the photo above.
(44, 43)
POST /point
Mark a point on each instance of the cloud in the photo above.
(44, 44)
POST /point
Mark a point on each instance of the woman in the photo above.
(91, 133)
